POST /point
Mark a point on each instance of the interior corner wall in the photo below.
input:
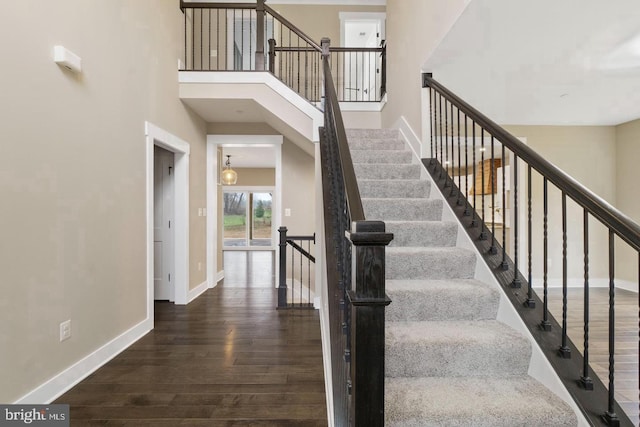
(73, 180)
(414, 30)
(579, 151)
(627, 178)
(298, 189)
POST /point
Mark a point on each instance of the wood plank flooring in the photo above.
(227, 359)
(626, 343)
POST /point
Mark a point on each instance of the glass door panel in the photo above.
(261, 230)
(235, 218)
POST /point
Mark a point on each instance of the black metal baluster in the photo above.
(293, 276)
(545, 324)
(610, 416)
(209, 40)
(301, 273)
(492, 176)
(530, 302)
(441, 159)
(309, 272)
(186, 48)
(432, 119)
(516, 237)
(446, 144)
(564, 350)
(483, 234)
(474, 214)
(458, 200)
(193, 39)
(504, 264)
(585, 380)
(452, 160)
(252, 61)
(466, 167)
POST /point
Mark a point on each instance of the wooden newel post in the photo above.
(260, 14)
(272, 55)
(282, 268)
(368, 301)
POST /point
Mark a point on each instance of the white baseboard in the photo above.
(409, 136)
(579, 283)
(65, 380)
(220, 276)
(197, 291)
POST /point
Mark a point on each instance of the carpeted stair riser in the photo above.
(429, 263)
(396, 188)
(476, 402)
(373, 171)
(455, 348)
(376, 144)
(424, 300)
(380, 157)
(402, 209)
(422, 233)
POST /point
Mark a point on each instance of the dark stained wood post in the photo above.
(272, 55)
(260, 35)
(368, 301)
(282, 269)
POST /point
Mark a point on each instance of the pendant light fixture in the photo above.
(229, 176)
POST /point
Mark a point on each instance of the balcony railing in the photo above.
(254, 37)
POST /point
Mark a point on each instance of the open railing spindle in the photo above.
(564, 348)
(585, 380)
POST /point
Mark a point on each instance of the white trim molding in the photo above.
(197, 291)
(180, 148)
(65, 380)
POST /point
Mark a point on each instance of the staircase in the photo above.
(449, 362)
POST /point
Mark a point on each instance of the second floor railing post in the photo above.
(383, 73)
(368, 301)
(272, 55)
(282, 268)
(260, 14)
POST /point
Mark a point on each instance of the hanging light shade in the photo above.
(229, 176)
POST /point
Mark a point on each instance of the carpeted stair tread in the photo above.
(376, 144)
(477, 402)
(429, 263)
(395, 188)
(420, 300)
(373, 133)
(381, 156)
(402, 209)
(423, 233)
(463, 348)
(390, 171)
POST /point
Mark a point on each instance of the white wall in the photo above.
(73, 175)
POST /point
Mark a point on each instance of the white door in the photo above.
(362, 69)
(163, 250)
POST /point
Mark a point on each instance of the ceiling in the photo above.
(251, 157)
(545, 62)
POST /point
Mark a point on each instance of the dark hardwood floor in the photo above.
(626, 342)
(227, 359)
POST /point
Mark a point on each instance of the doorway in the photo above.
(163, 217)
(248, 218)
(361, 69)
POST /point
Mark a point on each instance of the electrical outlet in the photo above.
(287, 212)
(65, 330)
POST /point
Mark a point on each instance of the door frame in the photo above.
(180, 148)
(214, 186)
(381, 17)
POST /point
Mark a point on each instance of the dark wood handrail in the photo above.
(192, 5)
(292, 27)
(627, 229)
(352, 192)
(301, 250)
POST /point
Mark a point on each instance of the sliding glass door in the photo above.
(247, 219)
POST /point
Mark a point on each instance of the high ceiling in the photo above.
(545, 62)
